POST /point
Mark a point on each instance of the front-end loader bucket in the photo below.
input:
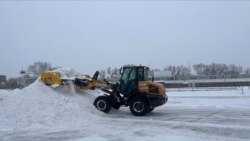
(51, 78)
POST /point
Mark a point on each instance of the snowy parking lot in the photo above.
(39, 113)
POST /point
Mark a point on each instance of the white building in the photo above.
(163, 74)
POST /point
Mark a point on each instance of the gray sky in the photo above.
(89, 36)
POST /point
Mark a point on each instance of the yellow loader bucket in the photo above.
(54, 79)
(51, 78)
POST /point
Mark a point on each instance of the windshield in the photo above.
(143, 74)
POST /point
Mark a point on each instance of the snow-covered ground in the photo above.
(40, 113)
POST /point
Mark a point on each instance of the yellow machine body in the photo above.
(51, 78)
(144, 87)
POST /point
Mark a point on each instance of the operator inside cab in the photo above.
(130, 78)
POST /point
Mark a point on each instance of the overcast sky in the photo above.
(89, 36)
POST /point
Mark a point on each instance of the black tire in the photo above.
(102, 103)
(116, 105)
(139, 106)
(92, 88)
(151, 109)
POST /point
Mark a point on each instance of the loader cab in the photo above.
(130, 76)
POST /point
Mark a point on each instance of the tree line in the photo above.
(207, 69)
(200, 69)
(181, 70)
(35, 69)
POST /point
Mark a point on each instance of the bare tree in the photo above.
(199, 68)
(172, 69)
(102, 74)
(178, 70)
(183, 71)
(115, 73)
(38, 67)
(247, 71)
(217, 69)
(233, 69)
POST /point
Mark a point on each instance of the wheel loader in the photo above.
(134, 90)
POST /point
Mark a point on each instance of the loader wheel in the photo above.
(102, 103)
(139, 106)
(151, 109)
(92, 88)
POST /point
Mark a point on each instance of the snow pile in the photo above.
(67, 73)
(41, 106)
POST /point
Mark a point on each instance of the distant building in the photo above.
(164, 75)
(2, 81)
